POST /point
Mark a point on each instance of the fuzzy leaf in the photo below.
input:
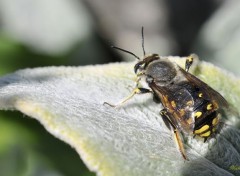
(131, 140)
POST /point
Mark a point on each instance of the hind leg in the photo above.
(177, 137)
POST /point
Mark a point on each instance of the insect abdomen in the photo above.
(200, 114)
(205, 123)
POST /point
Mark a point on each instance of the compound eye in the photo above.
(137, 66)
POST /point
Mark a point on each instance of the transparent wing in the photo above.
(213, 94)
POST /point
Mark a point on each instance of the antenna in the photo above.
(126, 51)
(144, 53)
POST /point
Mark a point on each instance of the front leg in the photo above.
(167, 120)
(135, 91)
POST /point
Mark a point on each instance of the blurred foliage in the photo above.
(26, 149)
(14, 55)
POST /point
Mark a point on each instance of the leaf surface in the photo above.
(130, 140)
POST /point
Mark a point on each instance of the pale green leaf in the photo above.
(131, 140)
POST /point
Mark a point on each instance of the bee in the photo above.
(190, 106)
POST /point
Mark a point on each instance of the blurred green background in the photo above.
(38, 33)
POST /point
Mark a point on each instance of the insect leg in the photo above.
(177, 136)
(189, 61)
(135, 91)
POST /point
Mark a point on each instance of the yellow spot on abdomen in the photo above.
(209, 106)
(200, 95)
(215, 121)
(206, 134)
(202, 129)
(197, 114)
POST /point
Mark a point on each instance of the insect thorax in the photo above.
(162, 72)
